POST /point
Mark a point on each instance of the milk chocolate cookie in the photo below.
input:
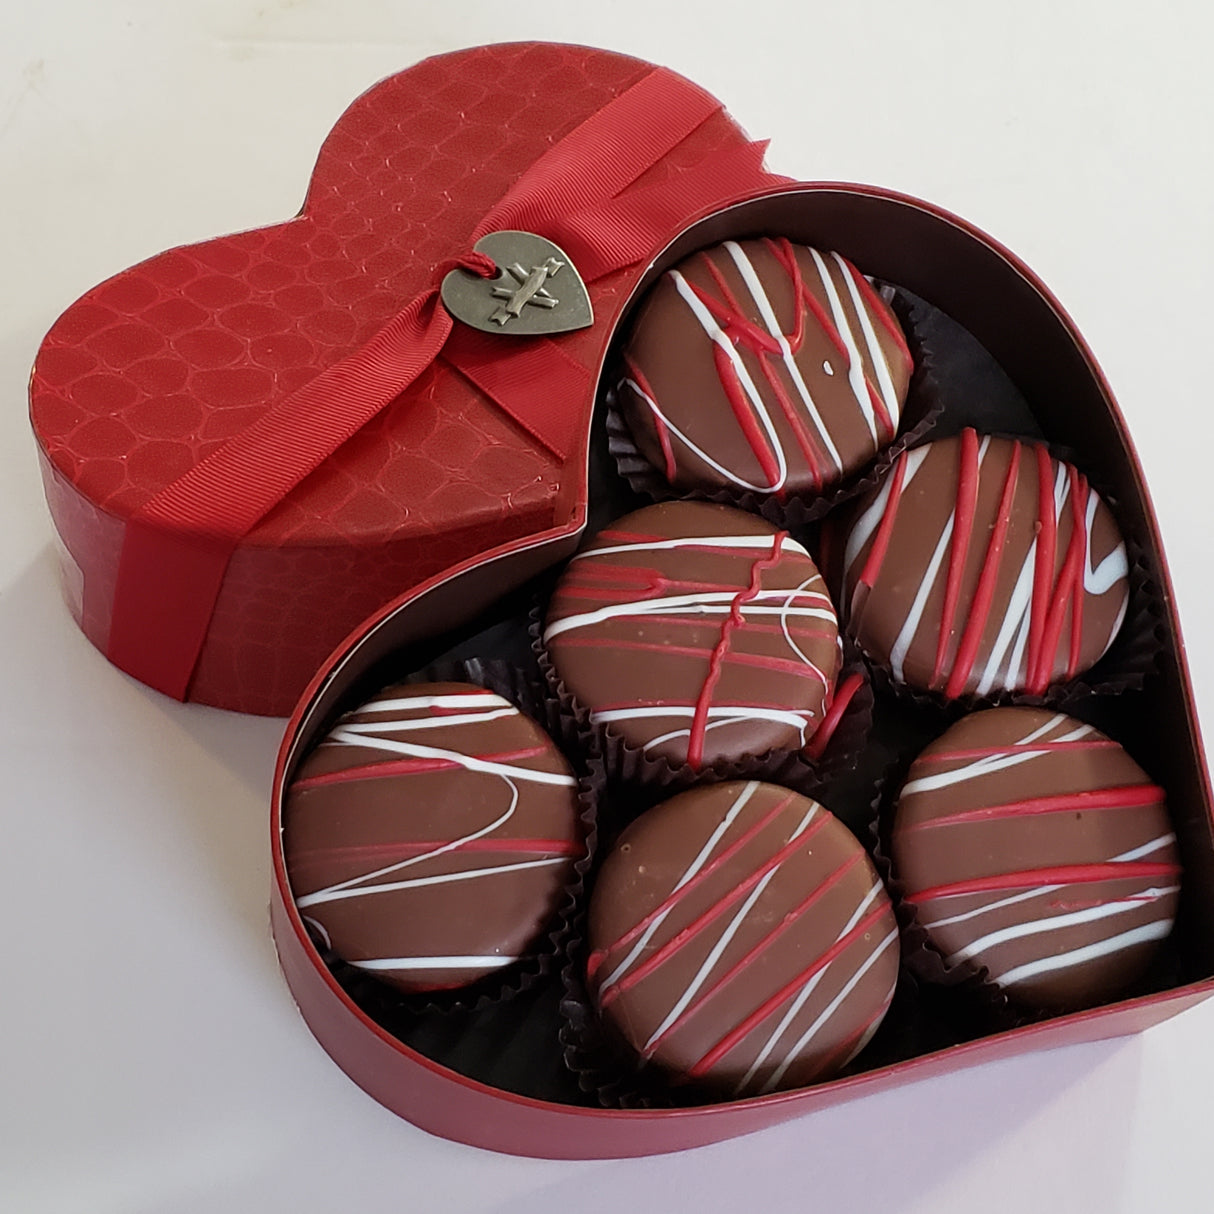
(765, 367)
(1035, 848)
(984, 565)
(429, 837)
(696, 632)
(741, 938)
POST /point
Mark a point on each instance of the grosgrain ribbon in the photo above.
(177, 546)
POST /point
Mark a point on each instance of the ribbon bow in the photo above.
(177, 546)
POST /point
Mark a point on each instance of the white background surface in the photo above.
(151, 1058)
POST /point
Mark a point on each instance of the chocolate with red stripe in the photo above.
(697, 633)
(763, 366)
(740, 936)
(429, 837)
(1035, 847)
(984, 565)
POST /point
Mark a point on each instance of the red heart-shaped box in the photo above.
(156, 369)
(445, 1081)
(443, 502)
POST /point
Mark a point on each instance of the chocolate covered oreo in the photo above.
(1033, 848)
(984, 565)
(430, 836)
(764, 367)
(740, 938)
(697, 633)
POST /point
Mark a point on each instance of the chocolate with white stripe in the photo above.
(984, 565)
(697, 633)
(740, 937)
(1033, 846)
(430, 836)
(765, 367)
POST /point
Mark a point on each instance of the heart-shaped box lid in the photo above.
(175, 362)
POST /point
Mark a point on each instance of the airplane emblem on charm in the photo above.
(518, 302)
(529, 291)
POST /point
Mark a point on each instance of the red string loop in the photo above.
(480, 264)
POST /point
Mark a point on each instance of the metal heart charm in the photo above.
(537, 290)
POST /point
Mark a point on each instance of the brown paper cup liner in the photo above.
(603, 1065)
(387, 1005)
(919, 416)
(806, 771)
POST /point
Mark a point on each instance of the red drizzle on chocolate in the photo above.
(698, 633)
(740, 937)
(970, 570)
(430, 835)
(762, 366)
(1012, 806)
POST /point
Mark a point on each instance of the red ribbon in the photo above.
(177, 546)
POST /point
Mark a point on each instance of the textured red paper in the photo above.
(151, 371)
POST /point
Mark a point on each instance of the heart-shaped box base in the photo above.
(989, 292)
